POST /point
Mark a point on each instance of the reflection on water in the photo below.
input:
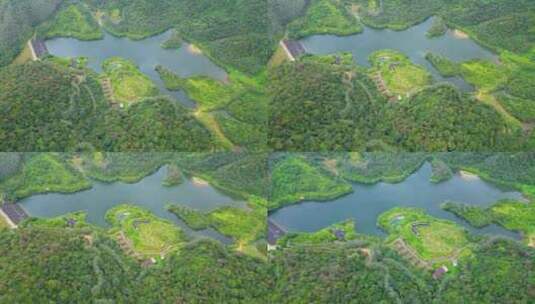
(367, 202)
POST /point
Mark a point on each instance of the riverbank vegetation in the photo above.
(245, 45)
(338, 109)
(294, 180)
(438, 28)
(441, 171)
(512, 215)
(202, 268)
(337, 169)
(75, 220)
(502, 27)
(174, 177)
(72, 20)
(235, 110)
(505, 84)
(43, 173)
(371, 168)
(474, 215)
(324, 17)
(245, 226)
(174, 42)
(335, 273)
(339, 232)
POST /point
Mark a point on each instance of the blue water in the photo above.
(413, 42)
(148, 193)
(367, 202)
(146, 53)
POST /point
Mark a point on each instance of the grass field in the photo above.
(484, 74)
(128, 83)
(243, 225)
(44, 173)
(149, 235)
(435, 240)
(517, 216)
(400, 75)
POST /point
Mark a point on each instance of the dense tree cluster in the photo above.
(318, 107)
(235, 33)
(9, 164)
(83, 265)
(47, 107)
(441, 119)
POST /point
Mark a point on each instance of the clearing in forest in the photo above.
(433, 241)
(396, 76)
(142, 234)
(128, 84)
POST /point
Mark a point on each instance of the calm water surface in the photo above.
(148, 193)
(147, 54)
(367, 202)
(413, 42)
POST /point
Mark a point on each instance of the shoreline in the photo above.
(466, 175)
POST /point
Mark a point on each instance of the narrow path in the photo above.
(86, 87)
(32, 51)
(490, 100)
(347, 79)
(209, 121)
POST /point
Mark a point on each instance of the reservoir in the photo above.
(367, 202)
(146, 53)
(412, 42)
(148, 193)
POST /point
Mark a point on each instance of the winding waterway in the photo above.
(146, 53)
(367, 202)
(148, 193)
(413, 42)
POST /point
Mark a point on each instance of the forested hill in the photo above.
(48, 107)
(498, 24)
(17, 21)
(233, 33)
(60, 265)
